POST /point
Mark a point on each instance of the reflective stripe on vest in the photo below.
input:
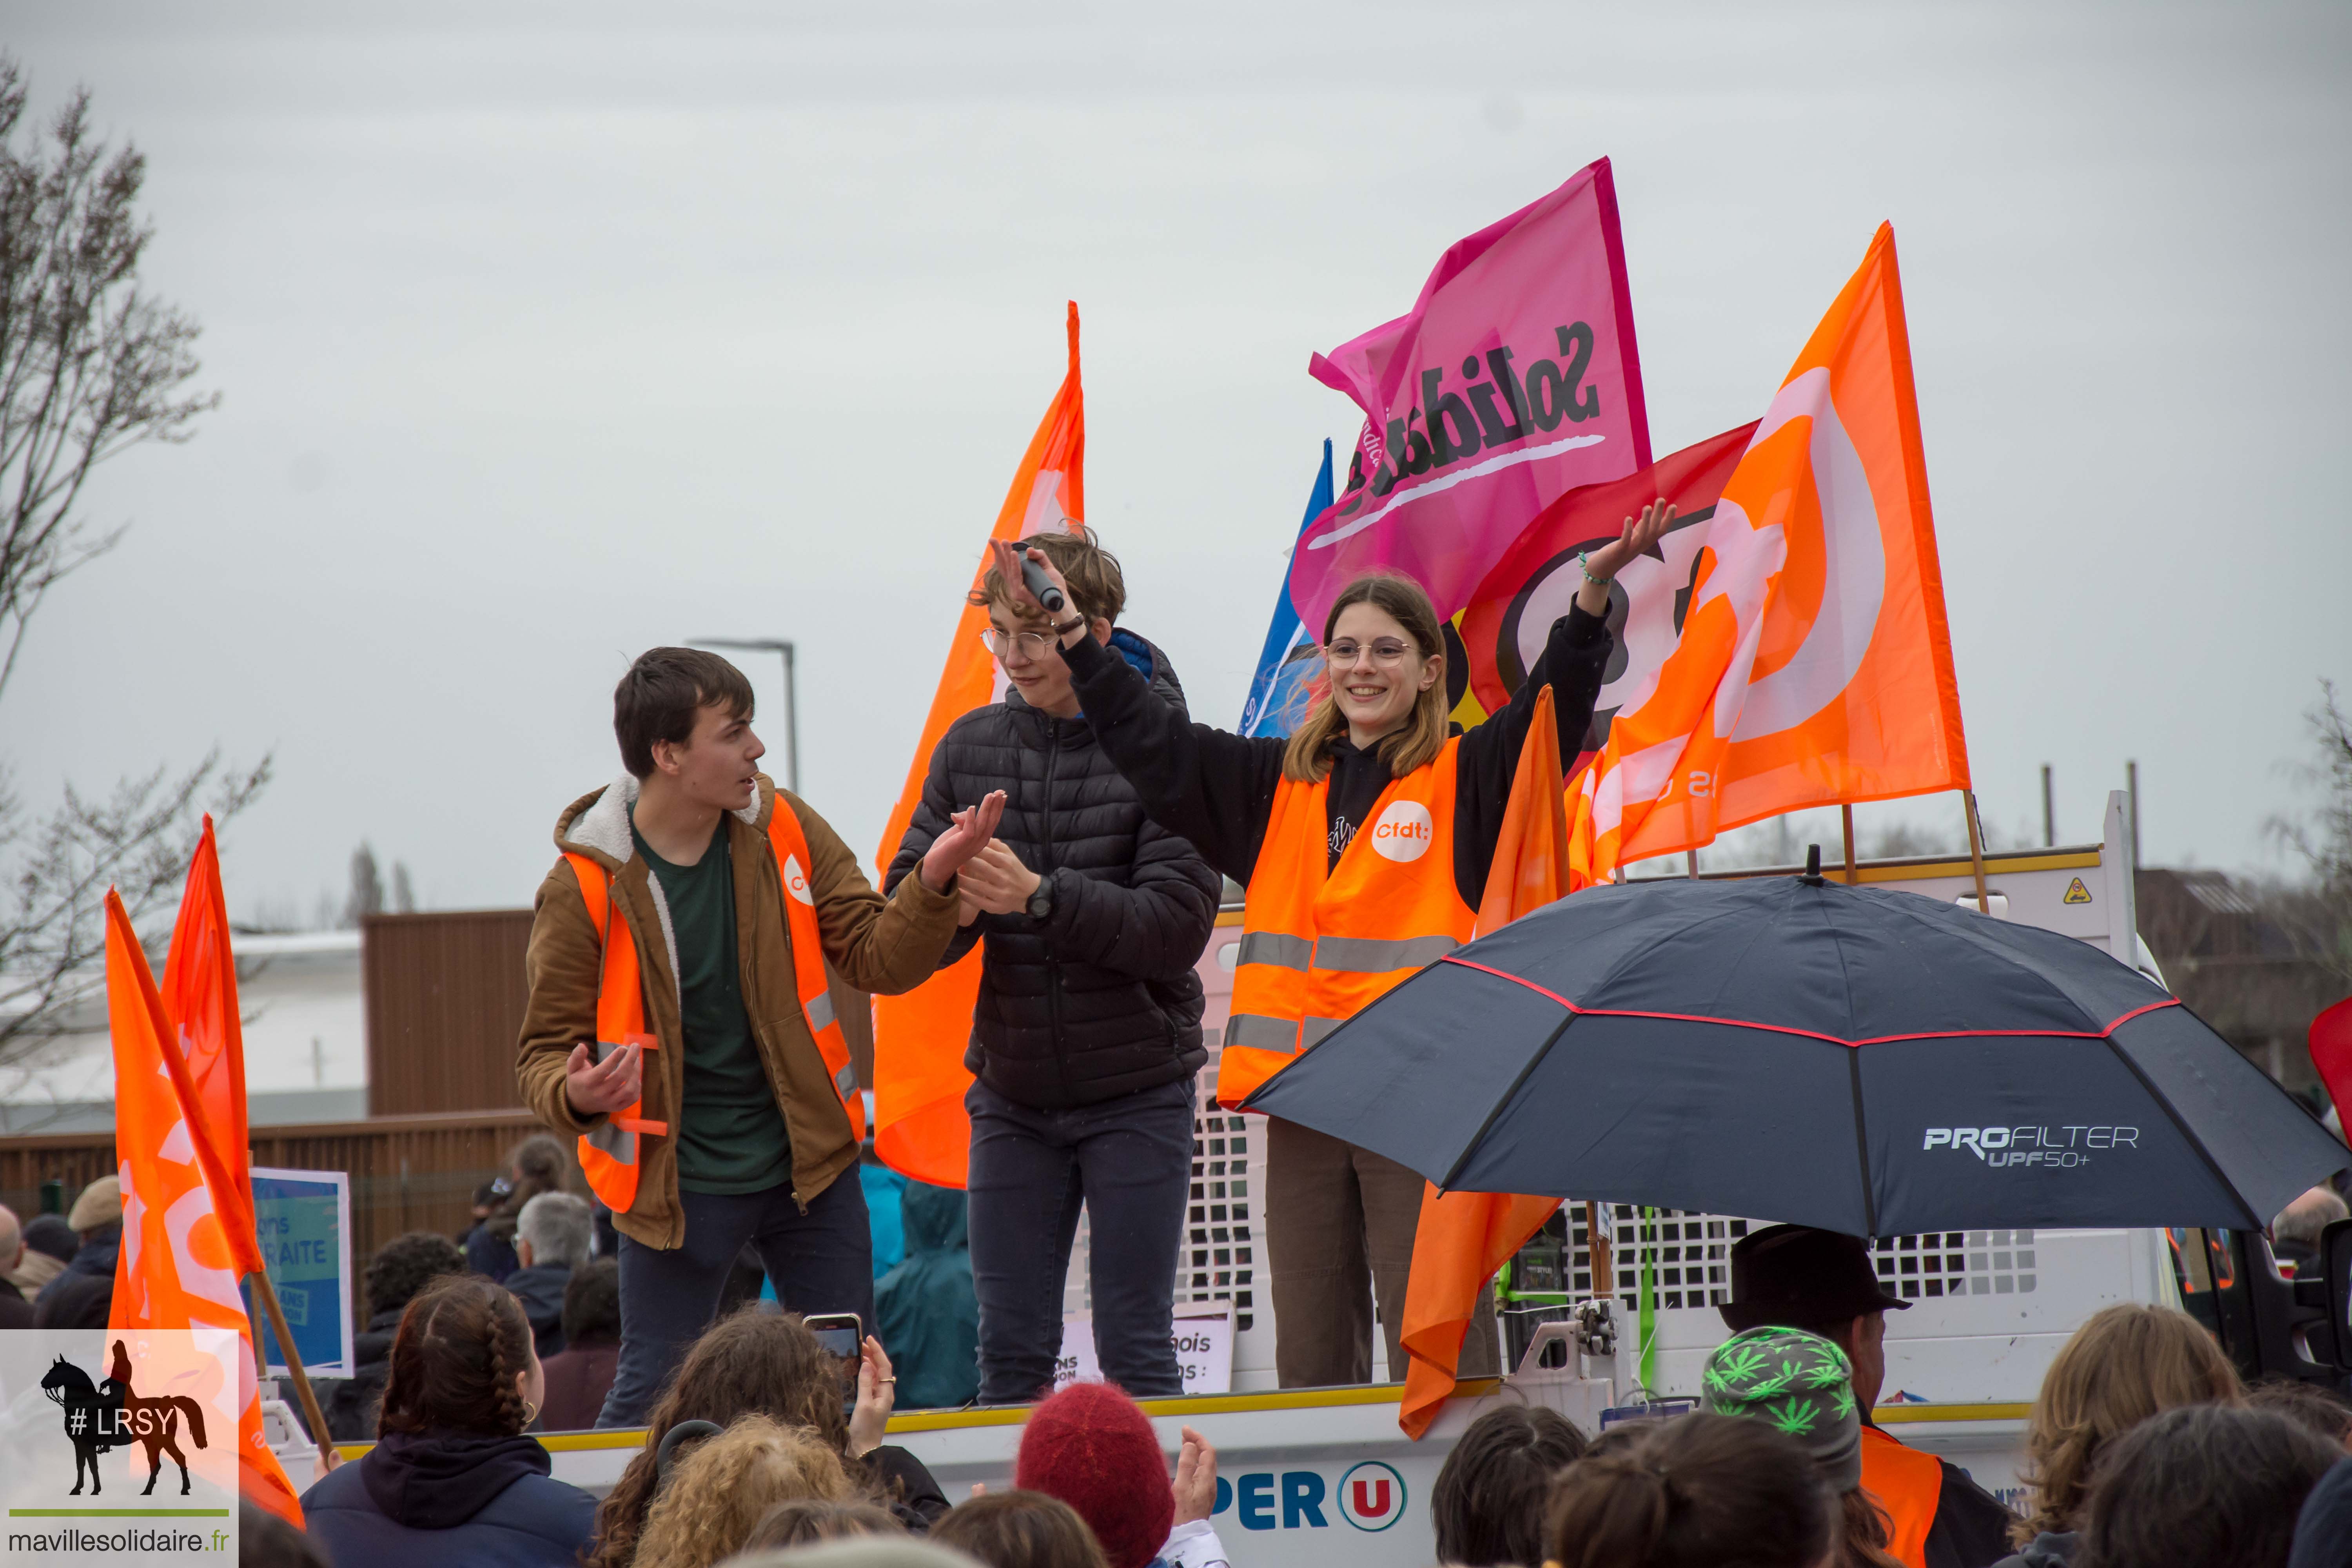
(792, 851)
(1910, 1486)
(609, 1152)
(1321, 943)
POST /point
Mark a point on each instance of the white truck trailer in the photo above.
(1307, 1475)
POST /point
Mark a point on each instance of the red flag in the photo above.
(920, 1127)
(180, 1268)
(1464, 1237)
(2331, 1053)
(1505, 624)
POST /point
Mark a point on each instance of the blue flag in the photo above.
(1277, 693)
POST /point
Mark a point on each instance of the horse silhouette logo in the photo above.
(111, 1416)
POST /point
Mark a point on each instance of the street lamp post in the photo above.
(791, 696)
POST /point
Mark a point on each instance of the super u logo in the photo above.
(1404, 831)
(1371, 1496)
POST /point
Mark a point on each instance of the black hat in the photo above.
(49, 1233)
(1798, 1277)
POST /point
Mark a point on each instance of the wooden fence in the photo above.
(408, 1172)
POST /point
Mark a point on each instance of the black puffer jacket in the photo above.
(1099, 998)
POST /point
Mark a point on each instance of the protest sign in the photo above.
(1203, 1336)
(303, 1219)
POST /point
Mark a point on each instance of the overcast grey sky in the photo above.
(550, 332)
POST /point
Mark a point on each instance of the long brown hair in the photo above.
(1862, 1533)
(707, 1508)
(753, 1363)
(2123, 1365)
(1416, 742)
(462, 1344)
(1672, 1494)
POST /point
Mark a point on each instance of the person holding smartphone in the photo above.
(1364, 840)
(679, 1023)
(1086, 1034)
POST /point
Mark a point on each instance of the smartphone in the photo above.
(844, 1338)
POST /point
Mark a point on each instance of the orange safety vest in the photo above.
(1908, 1484)
(608, 1155)
(1321, 943)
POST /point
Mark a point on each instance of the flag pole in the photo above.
(1976, 851)
(1846, 812)
(302, 1389)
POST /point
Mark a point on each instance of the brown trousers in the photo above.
(1339, 1221)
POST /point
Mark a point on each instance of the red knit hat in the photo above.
(1093, 1447)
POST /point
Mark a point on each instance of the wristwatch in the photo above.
(1041, 902)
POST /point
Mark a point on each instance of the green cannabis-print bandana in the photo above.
(1797, 1383)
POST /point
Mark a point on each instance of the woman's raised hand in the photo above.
(1641, 535)
(878, 1389)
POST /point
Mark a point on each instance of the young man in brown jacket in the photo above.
(736, 1126)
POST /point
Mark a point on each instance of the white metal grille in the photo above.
(1217, 1259)
(1690, 1255)
(1957, 1263)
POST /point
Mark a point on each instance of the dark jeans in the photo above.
(822, 1261)
(1129, 1162)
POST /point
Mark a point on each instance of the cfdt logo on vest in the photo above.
(1404, 831)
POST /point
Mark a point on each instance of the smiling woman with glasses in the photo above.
(1364, 840)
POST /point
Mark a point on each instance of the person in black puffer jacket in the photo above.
(1087, 1034)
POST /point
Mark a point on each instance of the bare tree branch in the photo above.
(89, 366)
(139, 841)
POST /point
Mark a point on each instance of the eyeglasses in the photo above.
(1388, 653)
(1033, 644)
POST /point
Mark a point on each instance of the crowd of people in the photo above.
(2143, 1451)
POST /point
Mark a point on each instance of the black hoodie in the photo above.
(1098, 998)
(462, 1497)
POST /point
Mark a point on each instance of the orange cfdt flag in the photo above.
(180, 1268)
(1814, 665)
(1464, 1237)
(920, 1127)
(200, 993)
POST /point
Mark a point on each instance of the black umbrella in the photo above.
(1858, 1059)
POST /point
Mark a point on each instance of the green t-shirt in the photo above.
(731, 1136)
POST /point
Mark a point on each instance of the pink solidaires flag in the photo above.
(1514, 380)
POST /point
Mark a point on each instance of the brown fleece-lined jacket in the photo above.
(888, 946)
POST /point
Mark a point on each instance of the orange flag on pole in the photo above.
(200, 995)
(180, 1267)
(1464, 1237)
(1813, 665)
(920, 1127)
